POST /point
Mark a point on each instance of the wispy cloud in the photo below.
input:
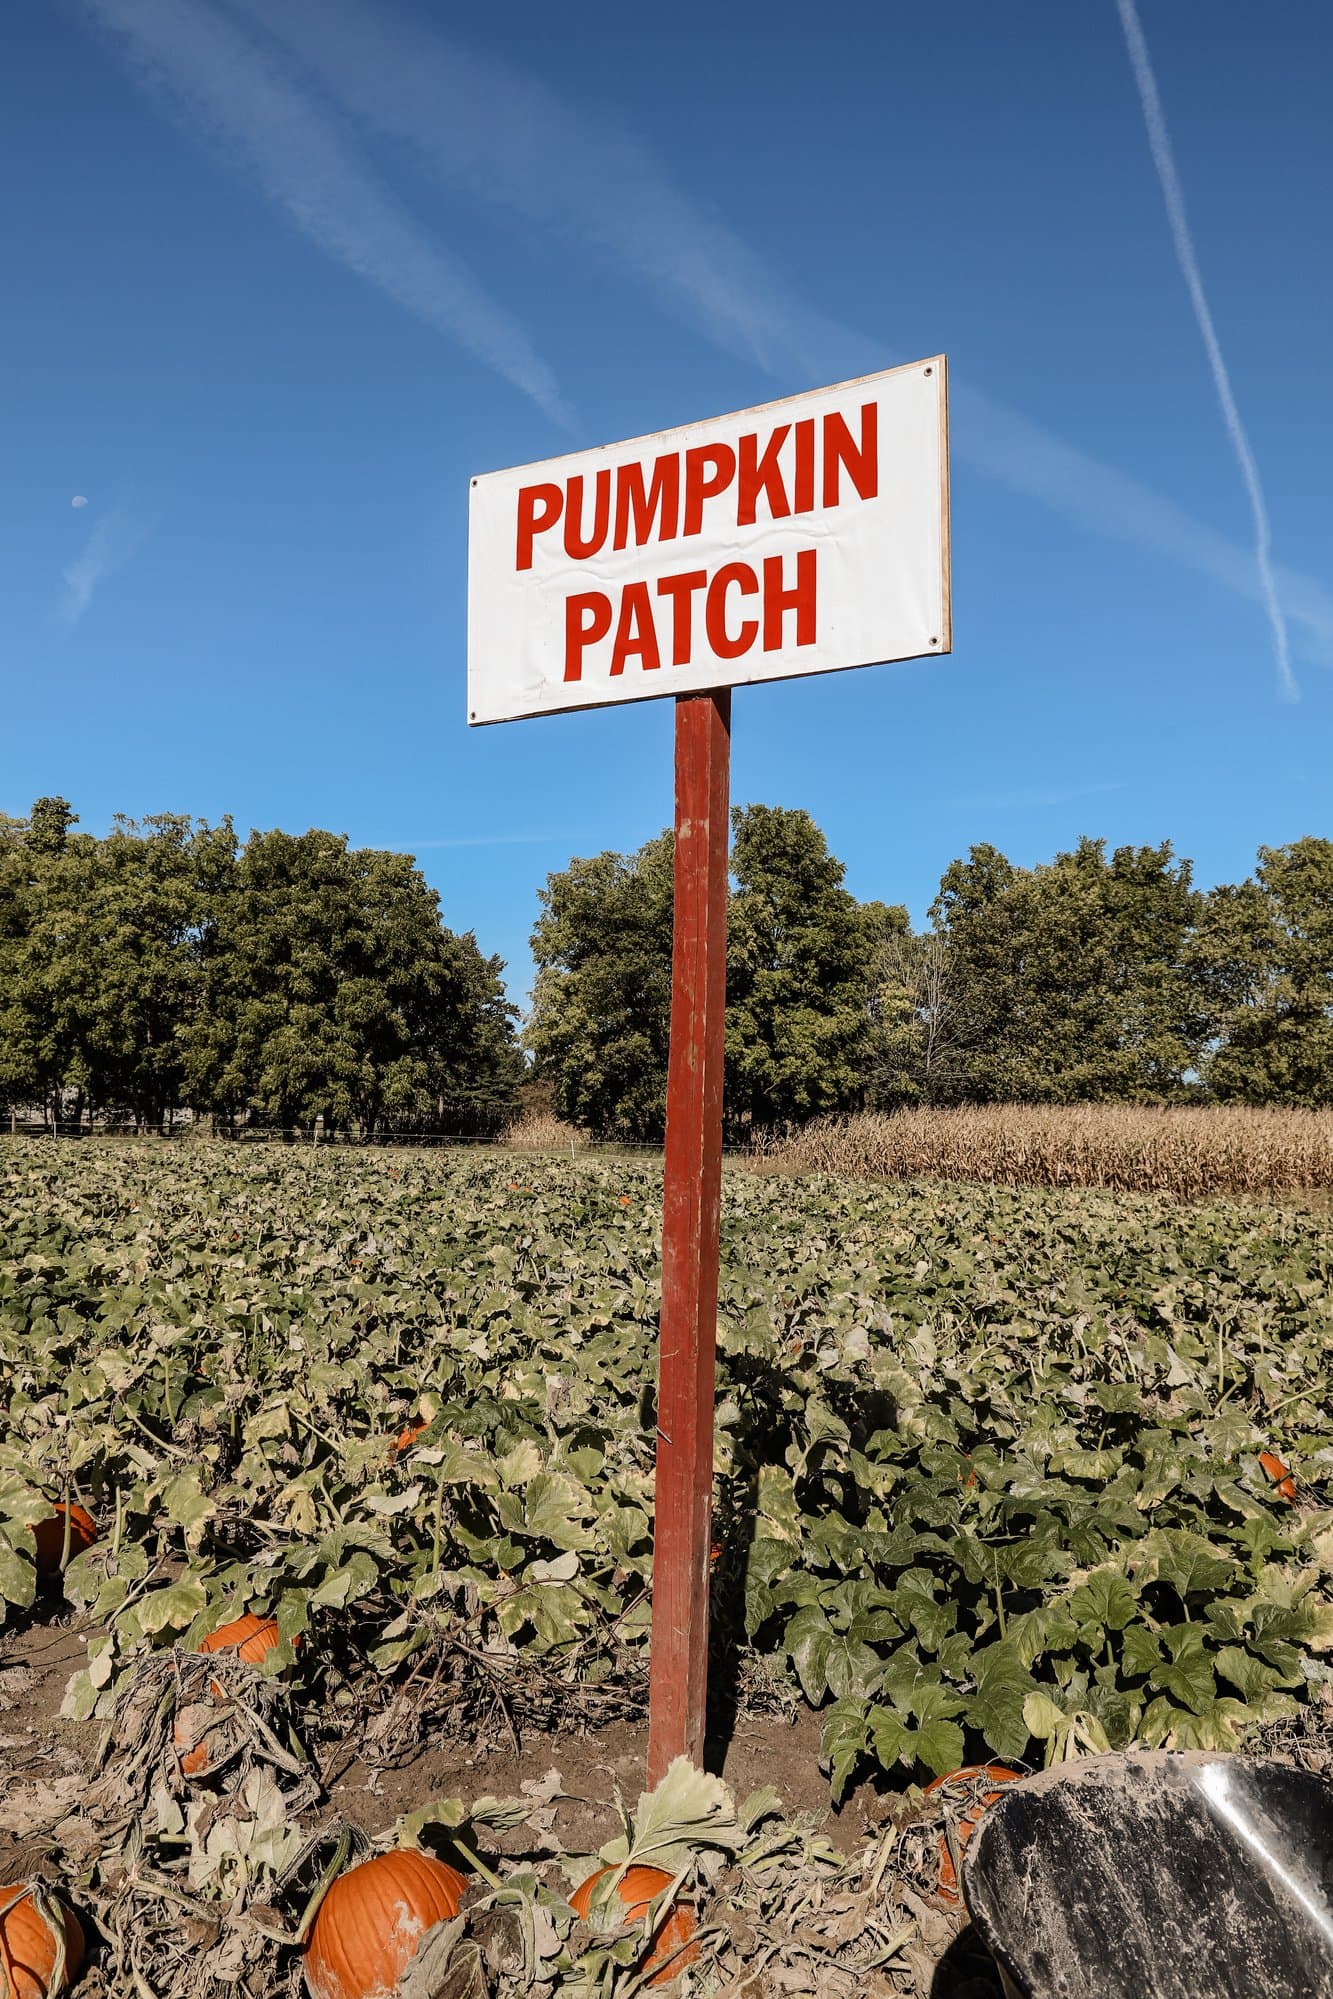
(1164, 159)
(504, 137)
(113, 540)
(481, 126)
(219, 83)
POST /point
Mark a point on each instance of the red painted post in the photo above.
(692, 1195)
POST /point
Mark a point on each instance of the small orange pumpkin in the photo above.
(28, 1943)
(1280, 1474)
(408, 1436)
(371, 1922)
(638, 1887)
(252, 1639)
(191, 1746)
(49, 1534)
(947, 1889)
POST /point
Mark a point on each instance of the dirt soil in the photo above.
(36, 1660)
(38, 1657)
(594, 1766)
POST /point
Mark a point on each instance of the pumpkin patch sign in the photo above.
(799, 537)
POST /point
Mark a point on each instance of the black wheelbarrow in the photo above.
(1158, 1876)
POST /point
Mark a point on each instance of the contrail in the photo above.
(1163, 158)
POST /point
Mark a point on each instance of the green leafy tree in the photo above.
(139, 945)
(800, 954)
(332, 991)
(293, 980)
(1262, 959)
(601, 1003)
(43, 979)
(100, 968)
(1068, 982)
(19, 1069)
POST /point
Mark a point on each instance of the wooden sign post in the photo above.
(691, 1207)
(800, 537)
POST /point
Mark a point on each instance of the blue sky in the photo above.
(283, 274)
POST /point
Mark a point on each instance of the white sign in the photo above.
(803, 536)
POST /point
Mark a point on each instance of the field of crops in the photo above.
(989, 1485)
(1194, 1151)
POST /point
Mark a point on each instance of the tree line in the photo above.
(293, 980)
(1095, 977)
(280, 982)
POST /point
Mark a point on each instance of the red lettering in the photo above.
(662, 497)
(801, 599)
(861, 461)
(635, 630)
(681, 589)
(721, 459)
(576, 543)
(587, 619)
(803, 486)
(530, 522)
(715, 610)
(761, 474)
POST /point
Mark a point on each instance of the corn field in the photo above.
(543, 1131)
(1190, 1151)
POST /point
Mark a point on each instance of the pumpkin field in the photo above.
(326, 1462)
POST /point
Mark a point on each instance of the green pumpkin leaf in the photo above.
(808, 1638)
(1105, 1601)
(1188, 1676)
(843, 1741)
(172, 1608)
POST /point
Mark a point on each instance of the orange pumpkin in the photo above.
(371, 1922)
(49, 1534)
(28, 1944)
(638, 1887)
(408, 1436)
(252, 1639)
(1279, 1473)
(971, 1818)
(191, 1746)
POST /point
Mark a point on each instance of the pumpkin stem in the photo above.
(51, 1913)
(473, 1861)
(324, 1883)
